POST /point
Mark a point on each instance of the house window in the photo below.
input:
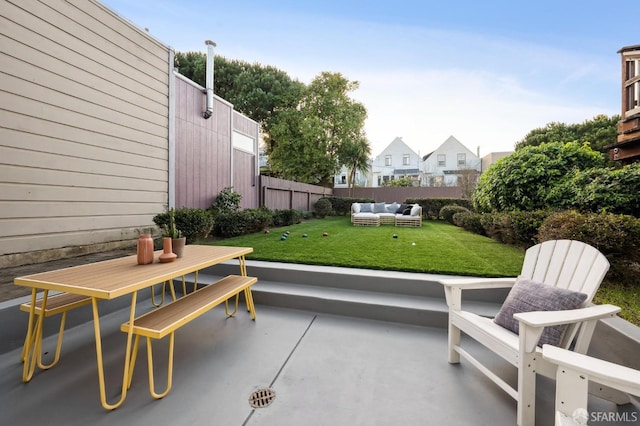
(405, 159)
(387, 160)
(462, 159)
(442, 160)
(631, 93)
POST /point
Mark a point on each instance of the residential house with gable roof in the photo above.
(396, 161)
(450, 161)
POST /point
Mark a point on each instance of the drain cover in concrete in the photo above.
(262, 398)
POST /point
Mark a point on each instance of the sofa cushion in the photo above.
(355, 208)
(393, 207)
(366, 208)
(415, 210)
(379, 208)
(527, 296)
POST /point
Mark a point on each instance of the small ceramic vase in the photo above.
(145, 249)
(168, 255)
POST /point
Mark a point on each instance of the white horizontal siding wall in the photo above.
(84, 107)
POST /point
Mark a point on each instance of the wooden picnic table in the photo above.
(108, 280)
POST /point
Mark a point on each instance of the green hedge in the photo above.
(616, 236)
(447, 212)
(341, 206)
(431, 206)
(193, 223)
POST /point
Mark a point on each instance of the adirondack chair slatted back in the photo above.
(568, 264)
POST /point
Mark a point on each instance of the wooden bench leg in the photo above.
(152, 390)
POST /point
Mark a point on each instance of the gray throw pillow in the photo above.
(393, 207)
(379, 208)
(527, 296)
(366, 208)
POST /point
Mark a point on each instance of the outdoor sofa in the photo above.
(375, 214)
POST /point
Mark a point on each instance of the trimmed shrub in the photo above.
(431, 206)
(193, 223)
(447, 212)
(616, 236)
(525, 225)
(469, 221)
(226, 201)
(498, 227)
(286, 217)
(323, 207)
(233, 224)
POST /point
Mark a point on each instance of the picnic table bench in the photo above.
(168, 318)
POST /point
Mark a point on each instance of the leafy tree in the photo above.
(257, 91)
(355, 156)
(600, 190)
(523, 180)
(598, 132)
(309, 144)
(192, 65)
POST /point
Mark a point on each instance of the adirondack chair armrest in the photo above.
(478, 283)
(600, 371)
(533, 323)
(453, 288)
(548, 318)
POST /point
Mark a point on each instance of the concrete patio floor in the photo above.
(324, 369)
(371, 364)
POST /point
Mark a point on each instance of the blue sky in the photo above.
(485, 72)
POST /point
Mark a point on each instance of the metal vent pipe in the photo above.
(209, 79)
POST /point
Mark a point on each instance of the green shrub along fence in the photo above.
(616, 236)
(430, 206)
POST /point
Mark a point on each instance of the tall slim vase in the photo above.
(168, 255)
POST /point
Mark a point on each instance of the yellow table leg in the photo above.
(248, 297)
(243, 266)
(126, 379)
(33, 341)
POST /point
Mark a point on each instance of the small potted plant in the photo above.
(177, 240)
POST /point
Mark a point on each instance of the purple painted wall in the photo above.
(206, 161)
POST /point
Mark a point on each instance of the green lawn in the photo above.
(439, 248)
(436, 247)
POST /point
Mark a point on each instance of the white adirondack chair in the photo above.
(565, 264)
(574, 373)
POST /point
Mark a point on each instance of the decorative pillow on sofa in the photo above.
(393, 207)
(356, 208)
(415, 210)
(366, 208)
(379, 208)
(403, 207)
(527, 296)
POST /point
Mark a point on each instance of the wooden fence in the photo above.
(399, 194)
(280, 194)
